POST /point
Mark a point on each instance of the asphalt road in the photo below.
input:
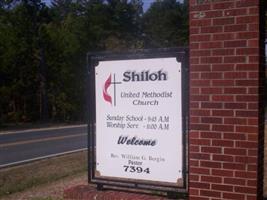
(24, 146)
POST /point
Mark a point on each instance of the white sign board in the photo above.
(139, 119)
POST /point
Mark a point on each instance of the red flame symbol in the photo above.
(106, 96)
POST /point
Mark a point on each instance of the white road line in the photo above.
(52, 138)
(42, 129)
(40, 158)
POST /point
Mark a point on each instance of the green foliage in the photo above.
(165, 24)
(43, 49)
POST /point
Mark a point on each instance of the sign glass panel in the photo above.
(139, 132)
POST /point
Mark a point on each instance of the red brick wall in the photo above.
(226, 118)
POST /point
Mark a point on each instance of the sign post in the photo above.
(138, 114)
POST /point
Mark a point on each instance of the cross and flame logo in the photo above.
(107, 97)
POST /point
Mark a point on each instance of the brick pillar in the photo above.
(226, 111)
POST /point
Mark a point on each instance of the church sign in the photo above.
(138, 113)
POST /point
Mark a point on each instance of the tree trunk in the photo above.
(43, 87)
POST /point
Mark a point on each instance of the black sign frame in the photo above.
(93, 59)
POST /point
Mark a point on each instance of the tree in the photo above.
(21, 58)
(165, 24)
(124, 26)
(43, 49)
(66, 62)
